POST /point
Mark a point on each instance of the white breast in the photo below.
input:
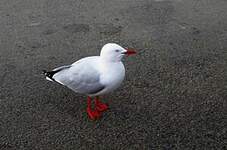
(112, 75)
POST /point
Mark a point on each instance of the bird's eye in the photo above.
(117, 50)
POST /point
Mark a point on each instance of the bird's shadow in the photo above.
(67, 101)
(74, 104)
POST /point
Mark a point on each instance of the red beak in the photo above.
(130, 51)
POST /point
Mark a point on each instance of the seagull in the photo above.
(93, 76)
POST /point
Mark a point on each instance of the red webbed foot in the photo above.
(99, 105)
(92, 114)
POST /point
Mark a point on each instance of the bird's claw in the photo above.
(93, 115)
(100, 106)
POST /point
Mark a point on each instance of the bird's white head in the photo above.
(114, 52)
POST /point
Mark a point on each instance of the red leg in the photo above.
(93, 114)
(99, 105)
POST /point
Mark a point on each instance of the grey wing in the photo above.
(62, 68)
(81, 78)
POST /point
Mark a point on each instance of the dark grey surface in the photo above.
(174, 95)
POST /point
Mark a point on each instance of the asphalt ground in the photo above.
(175, 91)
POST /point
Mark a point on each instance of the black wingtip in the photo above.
(49, 74)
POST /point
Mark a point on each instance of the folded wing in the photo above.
(81, 77)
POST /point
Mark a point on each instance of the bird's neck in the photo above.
(110, 59)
